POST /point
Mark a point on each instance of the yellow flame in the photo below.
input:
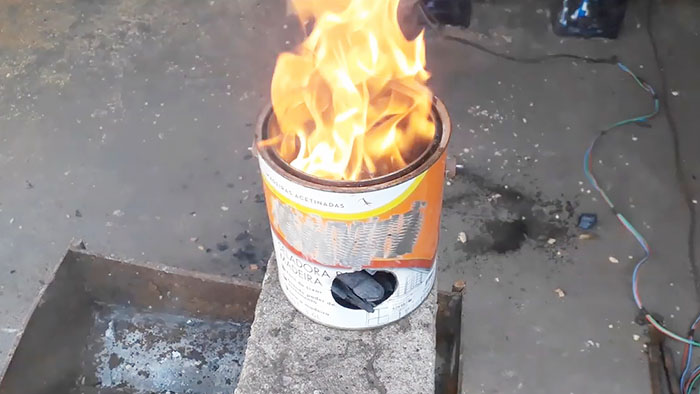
(351, 101)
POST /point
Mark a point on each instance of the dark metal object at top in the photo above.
(589, 18)
(448, 12)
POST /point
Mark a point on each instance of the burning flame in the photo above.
(351, 102)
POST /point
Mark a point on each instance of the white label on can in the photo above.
(328, 203)
(308, 287)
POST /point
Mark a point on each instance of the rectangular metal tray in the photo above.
(107, 326)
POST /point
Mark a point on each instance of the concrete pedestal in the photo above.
(288, 353)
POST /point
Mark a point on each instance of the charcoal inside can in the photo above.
(363, 289)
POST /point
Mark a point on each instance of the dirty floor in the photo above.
(126, 124)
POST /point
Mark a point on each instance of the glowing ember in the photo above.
(351, 102)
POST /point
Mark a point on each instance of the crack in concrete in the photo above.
(279, 362)
(372, 377)
(340, 356)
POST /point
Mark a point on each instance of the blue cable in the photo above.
(687, 366)
(637, 235)
(594, 182)
(684, 375)
(696, 370)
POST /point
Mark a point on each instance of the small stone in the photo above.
(635, 337)
(497, 279)
(253, 267)
(118, 213)
(613, 260)
(695, 202)
(194, 239)
(224, 208)
(675, 93)
(462, 237)
(585, 236)
(200, 247)
(551, 241)
(610, 326)
(78, 214)
(560, 292)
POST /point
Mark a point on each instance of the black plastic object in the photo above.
(589, 18)
(449, 12)
(587, 221)
(363, 289)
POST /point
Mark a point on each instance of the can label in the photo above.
(319, 234)
(308, 287)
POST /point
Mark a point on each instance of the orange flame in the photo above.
(351, 102)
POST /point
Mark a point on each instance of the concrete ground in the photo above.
(287, 353)
(126, 124)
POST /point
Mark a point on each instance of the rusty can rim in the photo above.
(425, 161)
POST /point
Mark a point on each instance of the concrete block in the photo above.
(288, 353)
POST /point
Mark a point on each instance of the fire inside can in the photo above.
(356, 254)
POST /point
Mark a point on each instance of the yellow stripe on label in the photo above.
(348, 216)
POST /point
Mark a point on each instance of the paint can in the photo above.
(388, 227)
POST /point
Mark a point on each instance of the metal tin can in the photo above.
(321, 229)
